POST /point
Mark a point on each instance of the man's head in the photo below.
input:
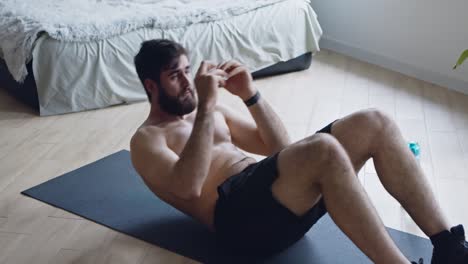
(164, 70)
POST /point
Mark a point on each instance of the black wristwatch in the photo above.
(252, 100)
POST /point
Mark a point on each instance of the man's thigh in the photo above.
(296, 170)
(357, 132)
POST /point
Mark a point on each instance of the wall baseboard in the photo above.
(394, 65)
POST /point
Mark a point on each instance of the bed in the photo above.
(88, 72)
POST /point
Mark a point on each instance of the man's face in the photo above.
(176, 93)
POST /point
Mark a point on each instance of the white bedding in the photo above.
(90, 75)
(86, 20)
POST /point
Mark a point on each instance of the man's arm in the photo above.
(195, 160)
(272, 131)
(245, 132)
(162, 169)
(270, 127)
(192, 168)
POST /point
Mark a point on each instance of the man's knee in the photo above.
(325, 149)
(328, 155)
(313, 158)
(376, 120)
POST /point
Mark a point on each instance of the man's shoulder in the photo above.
(148, 130)
(146, 136)
(146, 145)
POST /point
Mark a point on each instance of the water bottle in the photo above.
(415, 149)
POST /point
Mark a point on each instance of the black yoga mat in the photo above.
(110, 192)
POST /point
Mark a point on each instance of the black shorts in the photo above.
(249, 221)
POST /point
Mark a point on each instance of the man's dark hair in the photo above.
(155, 56)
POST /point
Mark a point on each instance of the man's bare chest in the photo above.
(177, 137)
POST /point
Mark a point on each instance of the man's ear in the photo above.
(151, 86)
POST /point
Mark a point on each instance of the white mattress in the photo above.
(77, 76)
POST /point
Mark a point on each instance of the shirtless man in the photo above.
(186, 152)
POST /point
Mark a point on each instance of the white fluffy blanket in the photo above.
(86, 20)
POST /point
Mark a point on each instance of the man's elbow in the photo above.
(285, 142)
(183, 189)
(190, 194)
(270, 149)
(277, 149)
(280, 146)
(193, 195)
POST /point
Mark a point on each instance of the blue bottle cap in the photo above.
(414, 147)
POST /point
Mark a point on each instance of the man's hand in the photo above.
(207, 82)
(239, 80)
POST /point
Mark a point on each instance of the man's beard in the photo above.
(178, 105)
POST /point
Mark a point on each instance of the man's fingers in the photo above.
(202, 68)
(236, 71)
(218, 72)
(225, 70)
(227, 66)
(211, 66)
(221, 82)
(222, 65)
(205, 66)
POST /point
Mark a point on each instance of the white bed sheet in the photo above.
(72, 76)
(92, 20)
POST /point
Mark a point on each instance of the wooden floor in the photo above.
(34, 149)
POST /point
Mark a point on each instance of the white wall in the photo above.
(420, 38)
